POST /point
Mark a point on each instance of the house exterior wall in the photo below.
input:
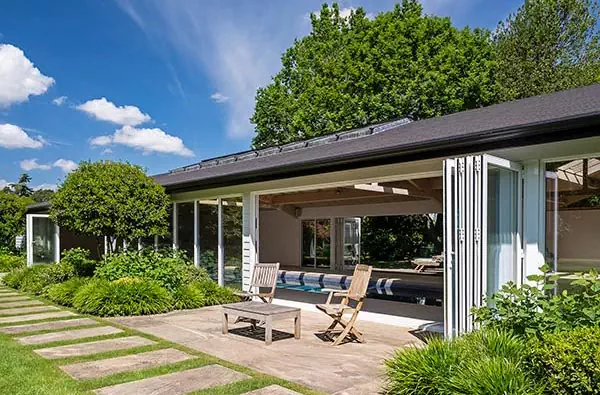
(280, 238)
(578, 246)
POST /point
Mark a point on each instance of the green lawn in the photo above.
(24, 372)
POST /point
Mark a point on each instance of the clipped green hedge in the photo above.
(569, 361)
(36, 278)
(123, 297)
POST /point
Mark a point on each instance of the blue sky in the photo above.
(157, 83)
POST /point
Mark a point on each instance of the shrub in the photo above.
(126, 296)
(10, 261)
(64, 293)
(169, 269)
(14, 278)
(202, 293)
(569, 362)
(484, 362)
(35, 279)
(79, 258)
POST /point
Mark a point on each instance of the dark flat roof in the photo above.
(564, 115)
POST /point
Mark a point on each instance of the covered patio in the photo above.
(352, 369)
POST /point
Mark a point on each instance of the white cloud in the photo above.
(65, 165)
(12, 137)
(59, 101)
(147, 140)
(218, 97)
(32, 164)
(344, 13)
(105, 110)
(3, 183)
(52, 187)
(19, 78)
(107, 151)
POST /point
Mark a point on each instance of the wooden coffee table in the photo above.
(260, 311)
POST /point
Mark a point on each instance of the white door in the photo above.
(482, 233)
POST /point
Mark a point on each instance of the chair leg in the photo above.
(348, 328)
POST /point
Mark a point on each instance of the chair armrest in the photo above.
(334, 292)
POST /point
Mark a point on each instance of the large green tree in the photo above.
(350, 72)
(546, 46)
(111, 199)
(12, 217)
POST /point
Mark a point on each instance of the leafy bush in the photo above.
(14, 278)
(64, 293)
(79, 258)
(484, 362)
(35, 279)
(202, 293)
(126, 296)
(530, 310)
(168, 268)
(10, 261)
(569, 362)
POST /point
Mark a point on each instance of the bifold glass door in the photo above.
(482, 233)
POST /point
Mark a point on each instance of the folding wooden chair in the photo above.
(357, 293)
(264, 276)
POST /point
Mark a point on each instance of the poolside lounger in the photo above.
(357, 293)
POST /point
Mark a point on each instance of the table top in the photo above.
(260, 308)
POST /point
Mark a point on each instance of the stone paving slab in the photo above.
(177, 383)
(127, 363)
(21, 303)
(35, 317)
(9, 294)
(69, 335)
(272, 390)
(47, 326)
(14, 298)
(81, 349)
(27, 310)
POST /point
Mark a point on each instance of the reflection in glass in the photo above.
(351, 241)
(43, 240)
(502, 224)
(316, 243)
(232, 241)
(208, 228)
(185, 228)
(308, 243)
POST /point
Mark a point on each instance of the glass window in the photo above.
(316, 243)
(351, 241)
(232, 241)
(167, 241)
(43, 240)
(573, 215)
(208, 220)
(502, 227)
(185, 228)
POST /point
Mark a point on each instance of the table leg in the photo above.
(297, 326)
(268, 331)
(225, 324)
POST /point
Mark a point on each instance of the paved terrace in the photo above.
(352, 368)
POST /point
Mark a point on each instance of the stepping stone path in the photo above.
(272, 390)
(9, 294)
(82, 349)
(22, 303)
(47, 326)
(69, 335)
(177, 383)
(27, 310)
(127, 363)
(35, 317)
(14, 299)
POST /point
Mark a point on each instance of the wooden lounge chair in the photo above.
(264, 277)
(357, 293)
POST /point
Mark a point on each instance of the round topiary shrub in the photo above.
(64, 293)
(123, 297)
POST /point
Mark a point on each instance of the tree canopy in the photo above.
(354, 71)
(547, 46)
(111, 199)
(12, 217)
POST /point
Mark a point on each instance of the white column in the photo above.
(196, 235)
(175, 232)
(220, 247)
(249, 237)
(534, 212)
(29, 237)
(56, 243)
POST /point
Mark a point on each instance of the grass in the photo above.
(24, 372)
